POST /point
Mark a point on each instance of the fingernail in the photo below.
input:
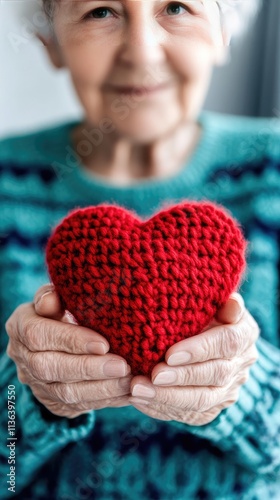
(143, 391)
(238, 299)
(115, 368)
(238, 317)
(43, 296)
(96, 348)
(179, 358)
(234, 313)
(236, 303)
(165, 378)
(239, 313)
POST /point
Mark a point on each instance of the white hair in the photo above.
(237, 15)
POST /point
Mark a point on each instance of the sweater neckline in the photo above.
(192, 172)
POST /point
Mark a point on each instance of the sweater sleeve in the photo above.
(39, 434)
(249, 431)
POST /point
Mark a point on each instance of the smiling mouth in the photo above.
(137, 90)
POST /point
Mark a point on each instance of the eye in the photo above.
(99, 13)
(175, 9)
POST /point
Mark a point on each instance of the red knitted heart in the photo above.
(146, 285)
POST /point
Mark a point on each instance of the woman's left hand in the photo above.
(202, 375)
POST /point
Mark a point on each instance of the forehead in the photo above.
(77, 4)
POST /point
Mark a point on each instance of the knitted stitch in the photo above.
(120, 453)
(146, 285)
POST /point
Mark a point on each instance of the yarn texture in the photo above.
(145, 285)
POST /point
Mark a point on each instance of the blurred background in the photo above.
(34, 95)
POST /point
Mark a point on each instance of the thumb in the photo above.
(232, 311)
(47, 303)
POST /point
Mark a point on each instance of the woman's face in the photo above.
(143, 66)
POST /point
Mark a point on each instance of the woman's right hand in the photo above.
(67, 366)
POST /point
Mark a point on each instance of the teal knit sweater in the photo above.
(121, 454)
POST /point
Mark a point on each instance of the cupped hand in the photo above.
(67, 367)
(202, 375)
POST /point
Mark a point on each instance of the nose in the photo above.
(142, 41)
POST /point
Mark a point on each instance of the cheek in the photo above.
(194, 66)
(191, 62)
(89, 65)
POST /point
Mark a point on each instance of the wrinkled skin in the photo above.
(68, 376)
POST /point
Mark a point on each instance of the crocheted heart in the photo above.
(145, 285)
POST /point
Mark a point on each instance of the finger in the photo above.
(217, 372)
(118, 402)
(149, 410)
(84, 393)
(161, 412)
(43, 334)
(70, 411)
(187, 398)
(50, 366)
(47, 302)
(220, 342)
(232, 311)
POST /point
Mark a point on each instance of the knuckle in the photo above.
(18, 321)
(76, 414)
(86, 367)
(254, 325)
(32, 336)
(71, 341)
(15, 351)
(109, 389)
(65, 393)
(254, 355)
(233, 398)
(213, 344)
(243, 378)
(161, 408)
(22, 377)
(37, 366)
(58, 409)
(257, 329)
(9, 350)
(9, 325)
(207, 348)
(203, 402)
(232, 342)
(183, 375)
(165, 396)
(54, 367)
(196, 418)
(223, 373)
(100, 404)
(208, 417)
(29, 330)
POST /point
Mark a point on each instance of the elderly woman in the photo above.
(206, 425)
